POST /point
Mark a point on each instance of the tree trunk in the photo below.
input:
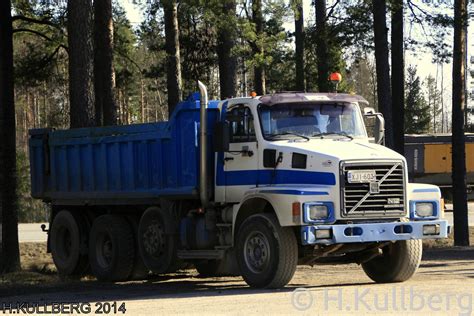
(443, 120)
(299, 44)
(9, 249)
(322, 46)
(80, 63)
(382, 67)
(225, 44)
(258, 70)
(173, 74)
(398, 77)
(142, 101)
(461, 228)
(104, 77)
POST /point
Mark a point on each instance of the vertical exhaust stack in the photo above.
(203, 194)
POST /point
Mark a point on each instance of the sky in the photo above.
(423, 60)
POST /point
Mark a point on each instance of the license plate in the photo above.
(361, 176)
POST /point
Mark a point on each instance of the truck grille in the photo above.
(387, 199)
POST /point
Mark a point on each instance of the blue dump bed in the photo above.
(132, 164)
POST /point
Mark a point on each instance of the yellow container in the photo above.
(438, 158)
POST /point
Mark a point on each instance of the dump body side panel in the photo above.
(133, 164)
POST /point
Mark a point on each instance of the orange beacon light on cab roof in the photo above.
(335, 78)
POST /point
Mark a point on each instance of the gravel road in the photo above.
(443, 285)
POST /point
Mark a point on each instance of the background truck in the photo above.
(246, 186)
(429, 161)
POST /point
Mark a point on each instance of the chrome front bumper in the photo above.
(375, 232)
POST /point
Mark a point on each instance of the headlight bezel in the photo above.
(415, 216)
(329, 219)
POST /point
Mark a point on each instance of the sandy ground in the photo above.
(443, 285)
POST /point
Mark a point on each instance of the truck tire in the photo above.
(68, 242)
(267, 254)
(139, 271)
(111, 248)
(157, 241)
(398, 262)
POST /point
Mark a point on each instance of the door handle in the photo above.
(228, 158)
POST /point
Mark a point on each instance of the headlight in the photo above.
(424, 209)
(317, 212)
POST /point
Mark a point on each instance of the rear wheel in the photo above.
(267, 253)
(68, 242)
(398, 262)
(111, 248)
(157, 241)
(139, 271)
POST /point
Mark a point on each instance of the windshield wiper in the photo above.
(271, 136)
(332, 133)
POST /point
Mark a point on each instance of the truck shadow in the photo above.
(187, 284)
(448, 253)
(155, 287)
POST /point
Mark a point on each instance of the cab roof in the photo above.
(296, 97)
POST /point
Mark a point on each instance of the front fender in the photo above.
(281, 200)
(420, 192)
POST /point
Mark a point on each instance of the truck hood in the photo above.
(340, 149)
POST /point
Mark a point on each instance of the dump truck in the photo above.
(249, 186)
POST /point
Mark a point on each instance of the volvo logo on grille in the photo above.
(374, 187)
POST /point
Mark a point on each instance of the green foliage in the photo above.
(29, 210)
(362, 80)
(417, 111)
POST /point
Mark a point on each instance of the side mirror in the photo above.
(221, 137)
(368, 111)
(379, 128)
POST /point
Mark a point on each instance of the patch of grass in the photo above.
(35, 258)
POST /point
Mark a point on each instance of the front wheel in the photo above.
(398, 262)
(267, 253)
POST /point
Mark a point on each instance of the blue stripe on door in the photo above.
(262, 177)
(293, 192)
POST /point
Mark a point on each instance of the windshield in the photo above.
(311, 120)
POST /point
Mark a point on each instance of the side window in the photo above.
(242, 127)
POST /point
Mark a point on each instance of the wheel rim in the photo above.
(65, 244)
(153, 239)
(257, 252)
(104, 250)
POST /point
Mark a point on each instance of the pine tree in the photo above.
(461, 223)
(322, 45)
(417, 111)
(379, 10)
(9, 253)
(398, 76)
(173, 73)
(104, 77)
(434, 103)
(299, 44)
(79, 15)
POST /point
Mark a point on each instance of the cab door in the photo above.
(241, 161)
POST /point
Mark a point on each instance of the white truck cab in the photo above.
(305, 161)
